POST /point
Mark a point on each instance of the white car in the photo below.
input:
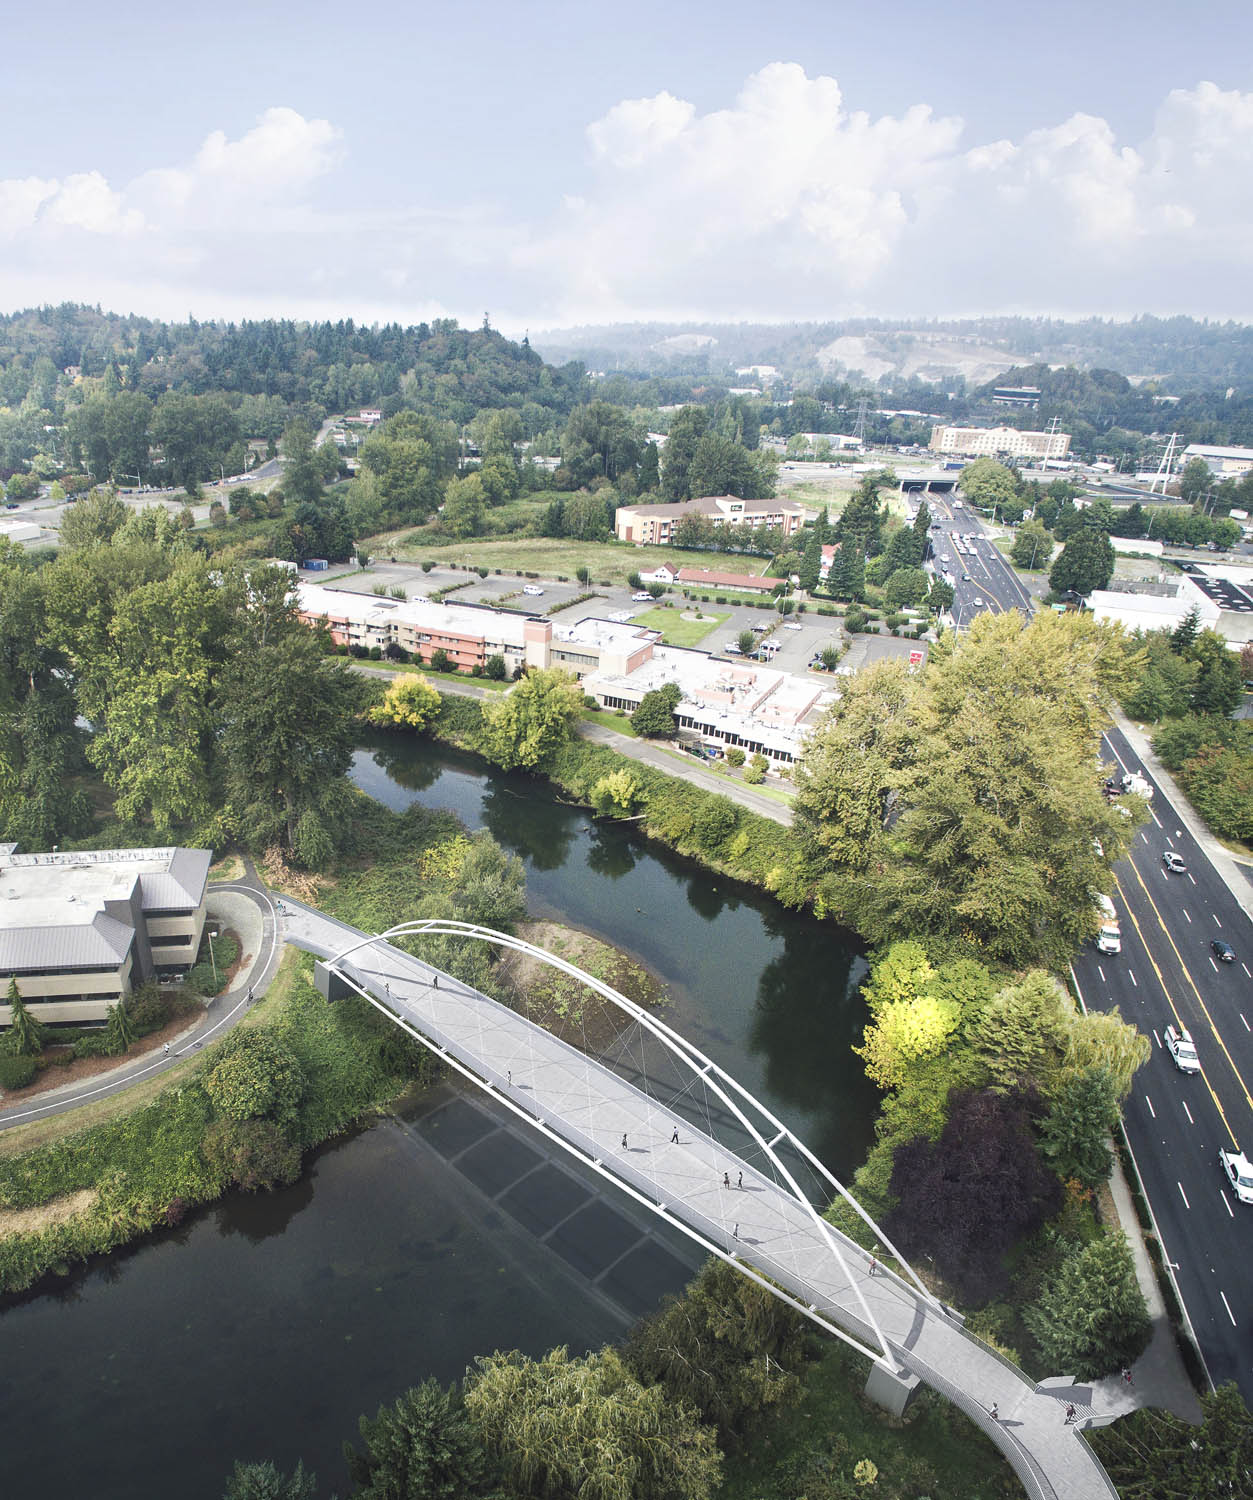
(533, 589)
(644, 598)
(789, 626)
(1239, 1173)
(978, 602)
(1182, 1048)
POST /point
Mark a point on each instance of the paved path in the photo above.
(222, 1013)
(606, 1121)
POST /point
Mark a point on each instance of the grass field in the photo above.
(553, 557)
(675, 630)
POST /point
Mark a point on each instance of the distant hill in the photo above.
(1178, 354)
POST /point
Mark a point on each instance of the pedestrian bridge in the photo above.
(694, 1147)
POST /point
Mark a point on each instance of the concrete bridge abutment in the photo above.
(893, 1390)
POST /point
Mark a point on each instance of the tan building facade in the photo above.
(80, 930)
(993, 442)
(657, 525)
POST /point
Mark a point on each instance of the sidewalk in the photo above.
(1235, 873)
(1160, 1377)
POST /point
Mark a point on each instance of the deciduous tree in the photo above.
(532, 720)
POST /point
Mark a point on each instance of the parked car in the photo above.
(1181, 1047)
(1239, 1173)
(644, 598)
(533, 589)
(1174, 862)
(1223, 952)
(790, 625)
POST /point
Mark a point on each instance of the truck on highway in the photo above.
(1109, 935)
(1135, 783)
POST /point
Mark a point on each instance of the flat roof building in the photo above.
(656, 525)
(992, 442)
(1224, 461)
(80, 929)
(756, 708)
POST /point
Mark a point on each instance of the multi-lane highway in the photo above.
(1167, 974)
(965, 556)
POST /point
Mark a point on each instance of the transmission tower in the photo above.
(859, 426)
(1167, 466)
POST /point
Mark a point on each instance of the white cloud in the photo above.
(788, 203)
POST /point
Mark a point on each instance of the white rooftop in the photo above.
(602, 633)
(498, 625)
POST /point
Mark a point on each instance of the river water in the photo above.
(264, 1325)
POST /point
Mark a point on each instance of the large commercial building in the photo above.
(81, 929)
(999, 442)
(723, 704)
(1221, 595)
(1223, 462)
(469, 634)
(656, 525)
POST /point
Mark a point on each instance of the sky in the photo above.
(554, 163)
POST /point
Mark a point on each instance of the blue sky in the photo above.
(556, 163)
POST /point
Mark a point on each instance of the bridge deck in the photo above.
(591, 1109)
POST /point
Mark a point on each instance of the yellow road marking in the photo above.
(1170, 1000)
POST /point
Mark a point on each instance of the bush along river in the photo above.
(264, 1325)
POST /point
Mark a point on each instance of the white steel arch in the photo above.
(727, 1089)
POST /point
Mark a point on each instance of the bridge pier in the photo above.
(891, 1389)
(329, 984)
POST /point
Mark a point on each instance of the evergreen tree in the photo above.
(423, 1447)
(811, 563)
(265, 1482)
(1091, 1318)
(27, 1034)
(1185, 633)
(862, 518)
(650, 470)
(118, 1033)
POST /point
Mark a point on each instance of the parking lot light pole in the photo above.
(212, 959)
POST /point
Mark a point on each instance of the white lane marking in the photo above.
(1215, 917)
(1187, 1111)
(1171, 841)
(1184, 909)
(1153, 815)
(1212, 964)
(1227, 1206)
(1184, 1196)
(1149, 1102)
(1101, 972)
(1115, 753)
(1227, 1305)
(1247, 1027)
(1191, 877)
(1144, 837)
(1245, 967)
(1134, 980)
(1156, 1038)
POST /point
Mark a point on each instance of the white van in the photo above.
(533, 589)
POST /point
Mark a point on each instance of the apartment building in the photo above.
(999, 442)
(656, 525)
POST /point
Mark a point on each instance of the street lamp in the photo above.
(212, 959)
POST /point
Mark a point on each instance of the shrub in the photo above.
(256, 1075)
(250, 1154)
(427, 566)
(441, 661)
(17, 1072)
(149, 1010)
(482, 572)
(93, 1045)
(855, 620)
(735, 756)
(497, 669)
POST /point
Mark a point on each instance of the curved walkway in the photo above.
(628, 1136)
(222, 1013)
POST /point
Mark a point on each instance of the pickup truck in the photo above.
(1181, 1048)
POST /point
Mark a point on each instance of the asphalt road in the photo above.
(1176, 1122)
(966, 556)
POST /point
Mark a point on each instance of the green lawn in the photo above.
(551, 557)
(677, 631)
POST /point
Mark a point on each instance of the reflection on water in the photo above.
(770, 994)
